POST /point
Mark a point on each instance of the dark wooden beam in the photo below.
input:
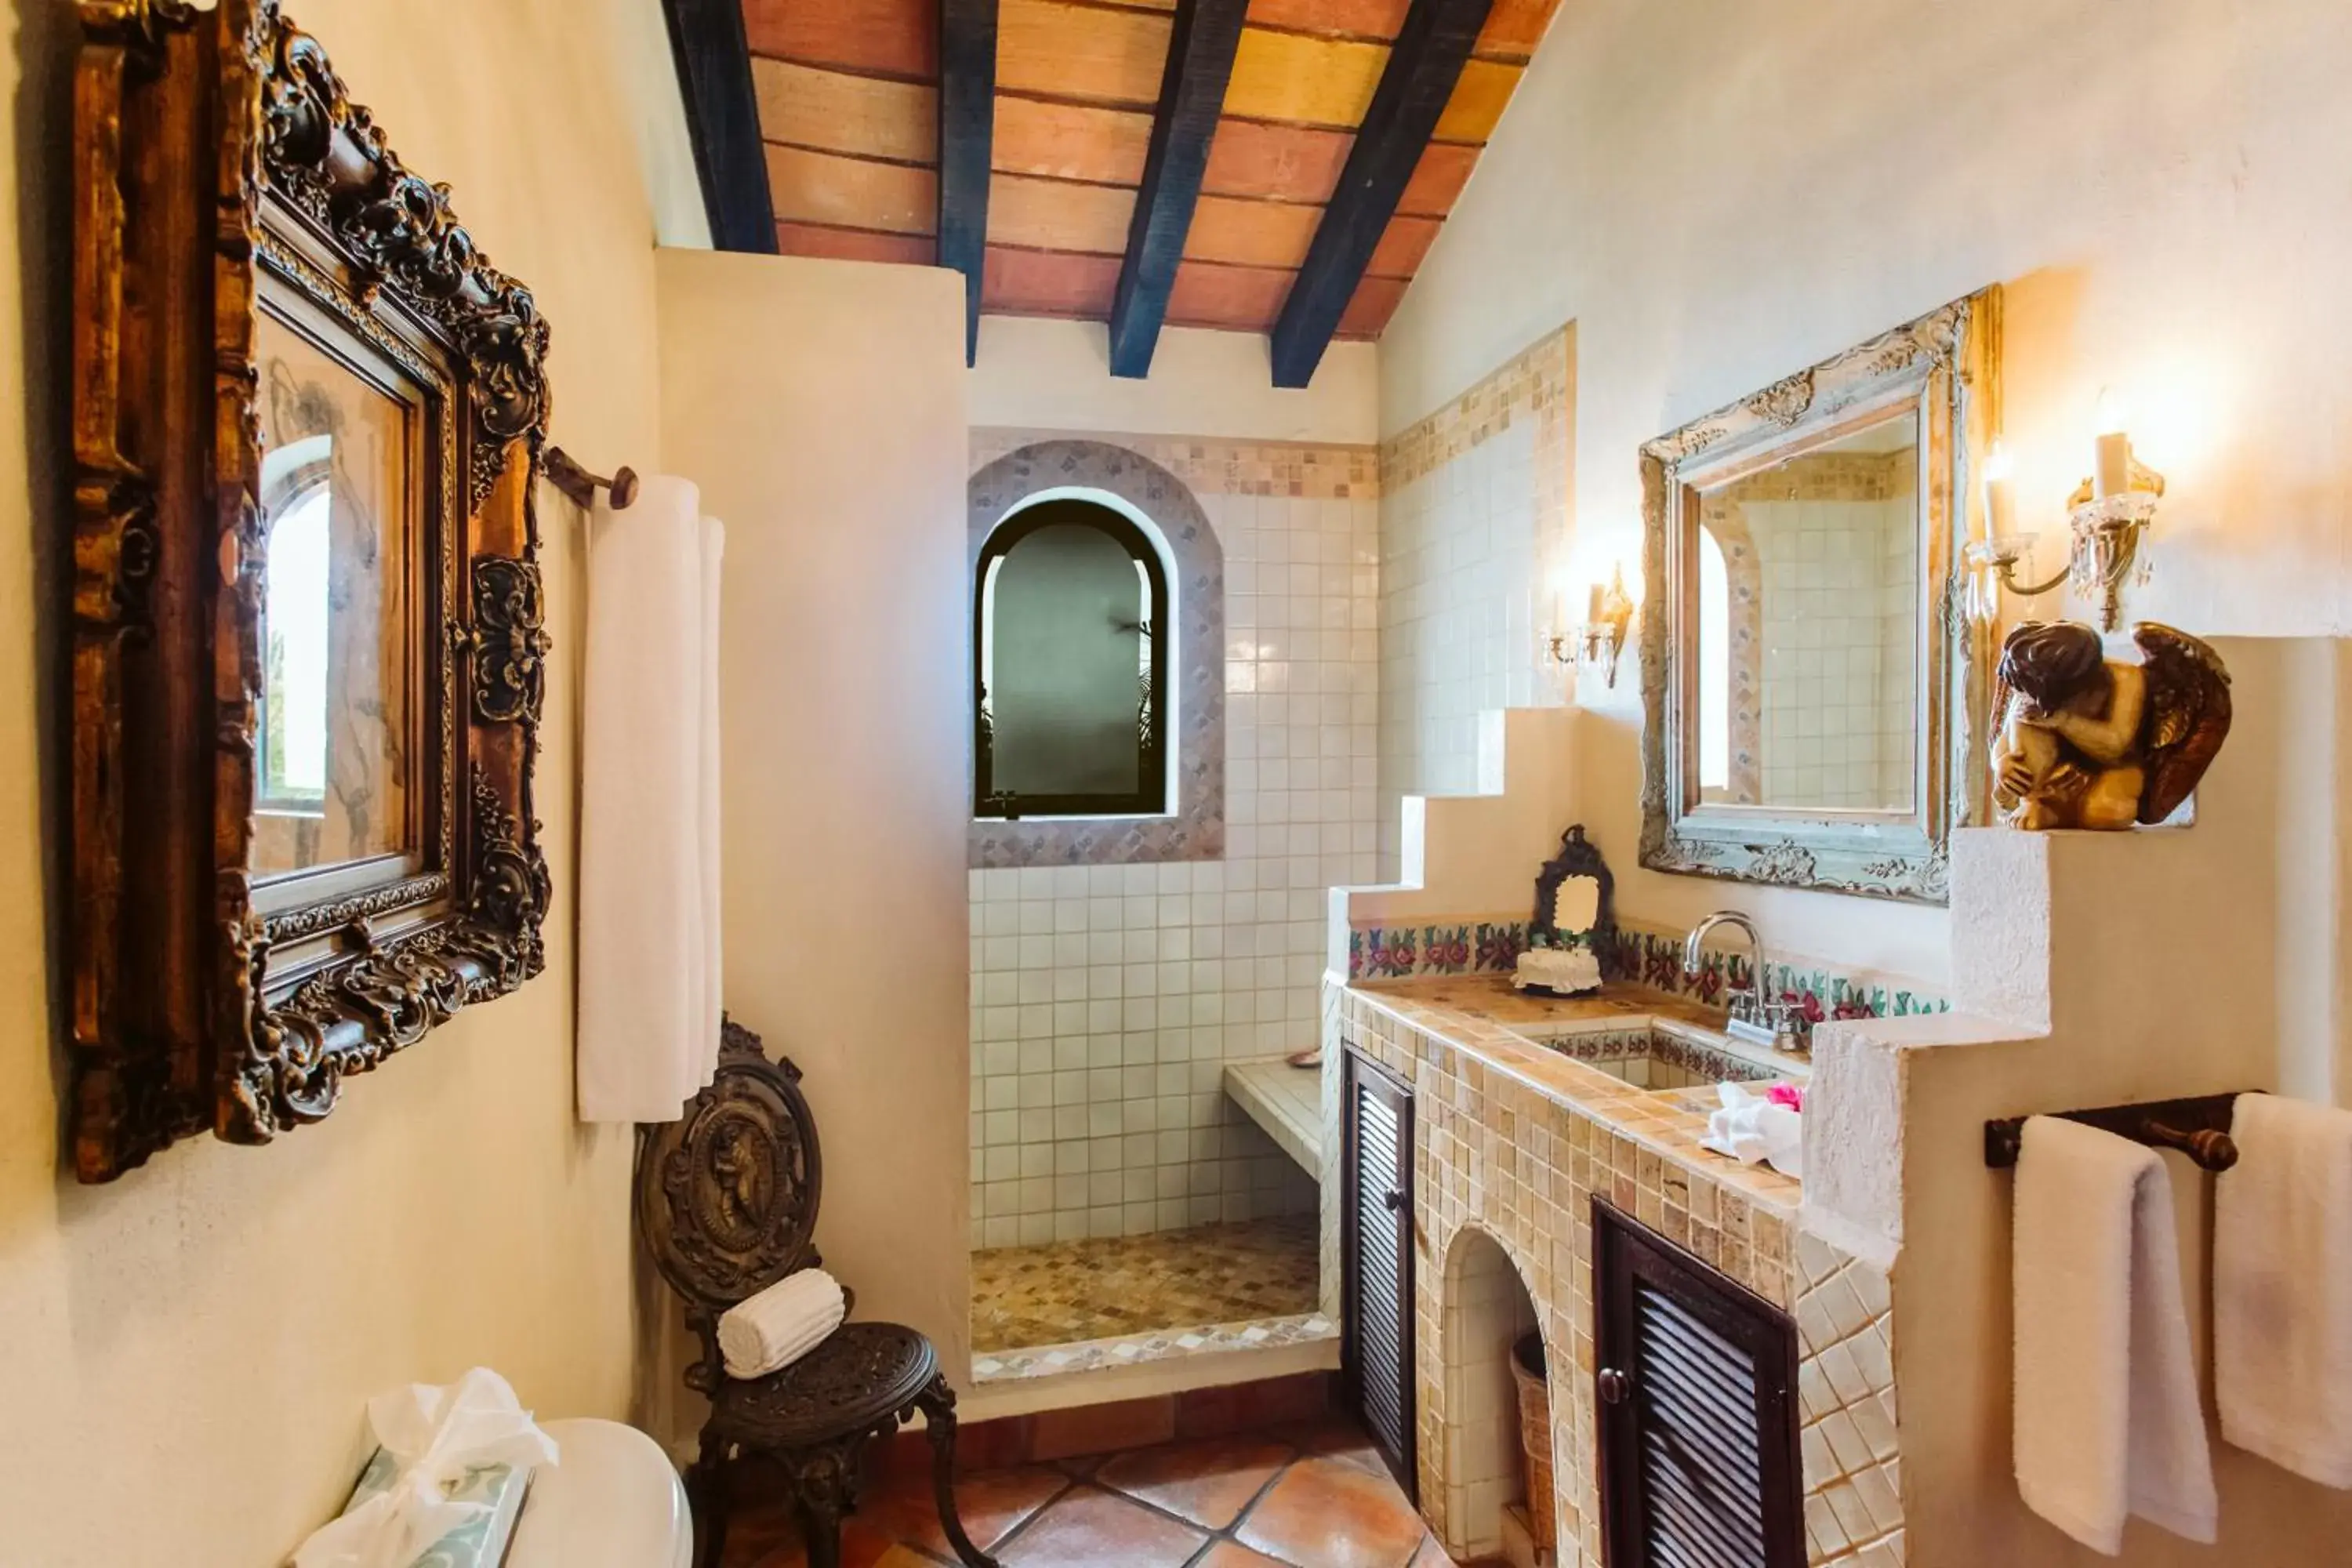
(1422, 72)
(722, 112)
(967, 138)
(1191, 95)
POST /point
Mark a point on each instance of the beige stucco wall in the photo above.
(184, 1355)
(1719, 194)
(820, 405)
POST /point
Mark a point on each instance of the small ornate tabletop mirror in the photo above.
(308, 639)
(1573, 937)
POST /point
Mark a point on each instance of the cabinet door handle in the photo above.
(1614, 1385)
(1393, 1200)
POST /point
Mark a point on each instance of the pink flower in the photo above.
(1787, 1094)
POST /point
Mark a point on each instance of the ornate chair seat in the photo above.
(859, 1379)
(727, 1199)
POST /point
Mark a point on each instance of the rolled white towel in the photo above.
(1750, 1127)
(780, 1324)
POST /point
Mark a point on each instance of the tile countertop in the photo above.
(1485, 1017)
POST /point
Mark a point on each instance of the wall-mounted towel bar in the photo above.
(581, 485)
(2198, 1128)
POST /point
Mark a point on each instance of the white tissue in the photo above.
(436, 1436)
(1750, 1127)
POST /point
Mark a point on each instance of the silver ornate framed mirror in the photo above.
(1810, 680)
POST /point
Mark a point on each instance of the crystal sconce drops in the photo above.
(1601, 638)
(2107, 514)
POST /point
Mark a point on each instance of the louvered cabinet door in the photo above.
(1376, 1212)
(1696, 1391)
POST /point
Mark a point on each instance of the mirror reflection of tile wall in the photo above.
(1819, 641)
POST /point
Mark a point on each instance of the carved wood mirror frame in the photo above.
(222, 172)
(1944, 367)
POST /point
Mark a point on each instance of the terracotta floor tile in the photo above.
(1232, 1554)
(1334, 1515)
(1088, 1528)
(992, 1504)
(1336, 1438)
(1207, 1482)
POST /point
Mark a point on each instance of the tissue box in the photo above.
(479, 1544)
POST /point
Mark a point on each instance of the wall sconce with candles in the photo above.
(1601, 638)
(2107, 514)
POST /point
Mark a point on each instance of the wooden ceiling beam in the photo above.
(1191, 95)
(1421, 73)
(722, 112)
(967, 141)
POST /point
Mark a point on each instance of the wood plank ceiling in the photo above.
(848, 95)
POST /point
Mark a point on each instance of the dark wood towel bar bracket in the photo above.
(2198, 1127)
(581, 485)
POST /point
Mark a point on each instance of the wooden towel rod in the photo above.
(2198, 1128)
(581, 485)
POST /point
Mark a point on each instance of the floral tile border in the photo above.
(1213, 466)
(1160, 1344)
(1473, 946)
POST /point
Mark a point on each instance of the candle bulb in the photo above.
(1596, 607)
(2000, 494)
(2112, 475)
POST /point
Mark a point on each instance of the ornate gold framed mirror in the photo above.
(308, 636)
(1810, 682)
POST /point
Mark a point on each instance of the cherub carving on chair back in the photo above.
(2085, 741)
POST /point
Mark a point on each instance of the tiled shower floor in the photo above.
(1025, 1297)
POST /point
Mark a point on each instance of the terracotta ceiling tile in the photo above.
(1094, 53)
(894, 37)
(1479, 102)
(1286, 162)
(1514, 27)
(1054, 214)
(1049, 283)
(1437, 179)
(1240, 299)
(855, 245)
(1070, 141)
(863, 115)
(1367, 313)
(1251, 233)
(1347, 18)
(1403, 245)
(852, 193)
(1310, 81)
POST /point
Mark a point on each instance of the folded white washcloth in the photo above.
(1750, 1127)
(2283, 1288)
(780, 1324)
(2107, 1415)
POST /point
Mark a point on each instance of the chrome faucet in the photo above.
(1758, 1019)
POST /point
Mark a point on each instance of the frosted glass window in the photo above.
(1070, 615)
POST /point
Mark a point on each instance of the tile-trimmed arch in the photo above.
(1196, 830)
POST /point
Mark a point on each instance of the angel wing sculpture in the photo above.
(2084, 740)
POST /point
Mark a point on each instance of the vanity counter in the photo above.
(1595, 1056)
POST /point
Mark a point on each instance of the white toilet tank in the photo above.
(611, 1501)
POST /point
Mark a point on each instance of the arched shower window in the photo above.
(1070, 619)
(1715, 667)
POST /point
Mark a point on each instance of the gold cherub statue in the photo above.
(2089, 742)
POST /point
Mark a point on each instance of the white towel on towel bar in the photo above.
(780, 1324)
(2107, 1421)
(2283, 1288)
(649, 852)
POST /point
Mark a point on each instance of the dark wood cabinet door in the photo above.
(1696, 1395)
(1376, 1218)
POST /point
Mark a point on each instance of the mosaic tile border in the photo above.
(1537, 382)
(1160, 1344)
(1492, 945)
(1307, 470)
(1197, 829)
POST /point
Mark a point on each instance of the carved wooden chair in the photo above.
(726, 1201)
